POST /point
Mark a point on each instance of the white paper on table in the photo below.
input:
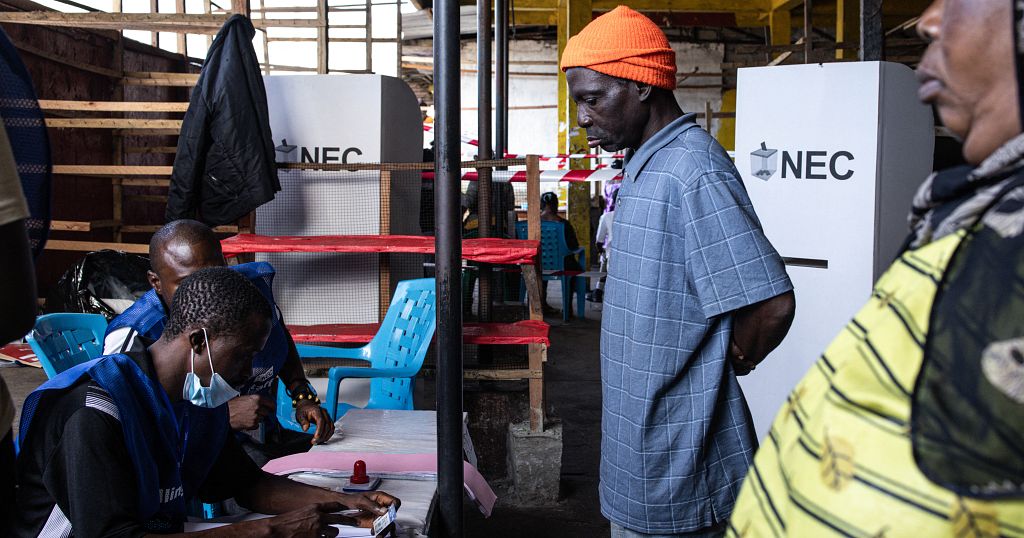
(344, 531)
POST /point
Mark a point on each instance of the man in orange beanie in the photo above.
(695, 296)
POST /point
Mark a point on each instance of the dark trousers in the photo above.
(7, 481)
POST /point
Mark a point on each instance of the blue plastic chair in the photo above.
(395, 355)
(63, 340)
(553, 251)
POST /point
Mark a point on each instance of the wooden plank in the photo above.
(147, 132)
(111, 123)
(152, 228)
(532, 281)
(112, 106)
(115, 21)
(240, 6)
(24, 47)
(145, 182)
(180, 82)
(152, 149)
(533, 196)
(80, 226)
(162, 75)
(89, 246)
(149, 198)
(322, 44)
(501, 375)
(110, 171)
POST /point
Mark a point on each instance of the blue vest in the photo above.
(147, 316)
(151, 433)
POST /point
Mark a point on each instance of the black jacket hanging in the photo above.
(224, 167)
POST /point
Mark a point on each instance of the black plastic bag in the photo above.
(102, 282)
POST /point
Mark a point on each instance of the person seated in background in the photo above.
(602, 239)
(549, 212)
(911, 423)
(117, 446)
(176, 251)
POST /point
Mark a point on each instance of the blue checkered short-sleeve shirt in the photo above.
(686, 251)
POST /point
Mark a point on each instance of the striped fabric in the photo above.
(838, 460)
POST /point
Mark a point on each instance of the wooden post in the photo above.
(384, 259)
(709, 115)
(533, 282)
(369, 37)
(208, 9)
(154, 7)
(179, 7)
(247, 225)
(871, 34)
(323, 42)
(241, 7)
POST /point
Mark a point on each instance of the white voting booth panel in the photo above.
(831, 155)
(340, 118)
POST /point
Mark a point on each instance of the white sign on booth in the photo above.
(831, 155)
(339, 119)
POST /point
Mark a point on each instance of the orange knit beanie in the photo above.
(625, 44)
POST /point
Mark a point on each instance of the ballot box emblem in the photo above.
(286, 153)
(764, 162)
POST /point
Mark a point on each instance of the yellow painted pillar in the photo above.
(573, 15)
(847, 26)
(781, 27)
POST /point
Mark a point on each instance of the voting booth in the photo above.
(342, 119)
(831, 155)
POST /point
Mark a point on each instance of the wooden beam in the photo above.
(66, 61)
(110, 171)
(112, 106)
(156, 22)
(502, 375)
(241, 7)
(152, 228)
(179, 6)
(111, 123)
(89, 246)
(165, 82)
(152, 149)
(80, 226)
(127, 182)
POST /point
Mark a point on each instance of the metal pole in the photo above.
(808, 37)
(484, 197)
(448, 249)
(871, 35)
(501, 77)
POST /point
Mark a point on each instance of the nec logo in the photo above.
(764, 163)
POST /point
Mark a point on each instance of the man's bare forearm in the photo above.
(761, 327)
(273, 494)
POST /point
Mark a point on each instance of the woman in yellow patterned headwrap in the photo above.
(912, 421)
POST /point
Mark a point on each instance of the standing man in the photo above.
(696, 294)
(18, 297)
(911, 423)
(181, 248)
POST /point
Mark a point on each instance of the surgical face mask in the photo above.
(219, 391)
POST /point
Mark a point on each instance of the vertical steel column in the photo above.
(484, 196)
(501, 78)
(448, 249)
(808, 31)
(872, 37)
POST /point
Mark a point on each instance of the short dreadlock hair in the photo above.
(217, 298)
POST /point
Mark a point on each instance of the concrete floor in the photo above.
(573, 393)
